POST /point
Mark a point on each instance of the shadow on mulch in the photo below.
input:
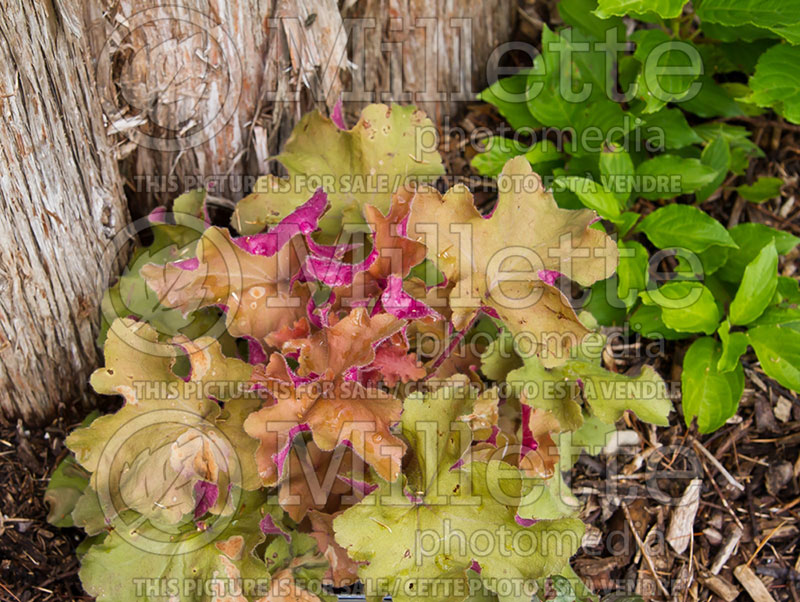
(38, 560)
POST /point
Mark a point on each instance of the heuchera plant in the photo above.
(306, 410)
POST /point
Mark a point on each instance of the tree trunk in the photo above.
(61, 205)
(431, 53)
(205, 91)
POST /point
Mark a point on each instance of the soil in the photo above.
(748, 471)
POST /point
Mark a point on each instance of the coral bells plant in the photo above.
(371, 385)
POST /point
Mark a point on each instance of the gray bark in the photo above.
(190, 86)
(61, 204)
(431, 53)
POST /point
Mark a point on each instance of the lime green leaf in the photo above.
(616, 170)
(544, 151)
(625, 222)
(768, 14)
(666, 9)
(632, 271)
(579, 14)
(608, 394)
(402, 537)
(751, 238)
(647, 321)
(592, 194)
(717, 155)
(761, 190)
(785, 306)
(389, 146)
(591, 437)
(710, 395)
(171, 433)
(604, 304)
(684, 226)
(498, 151)
(758, 285)
(686, 306)
(135, 554)
(778, 350)
(429, 426)
(509, 95)
(776, 82)
(734, 345)
(667, 176)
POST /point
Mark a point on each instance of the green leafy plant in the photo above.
(362, 399)
(634, 123)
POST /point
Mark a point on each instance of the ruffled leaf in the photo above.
(388, 147)
(501, 262)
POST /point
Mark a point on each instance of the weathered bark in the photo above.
(209, 89)
(61, 204)
(167, 69)
(432, 53)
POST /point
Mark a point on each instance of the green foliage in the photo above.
(708, 393)
(657, 111)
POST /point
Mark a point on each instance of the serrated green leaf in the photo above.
(766, 13)
(498, 151)
(784, 308)
(592, 194)
(669, 68)
(711, 100)
(778, 350)
(717, 155)
(666, 9)
(751, 238)
(579, 13)
(667, 176)
(400, 535)
(734, 345)
(686, 306)
(607, 393)
(668, 129)
(647, 321)
(610, 394)
(632, 271)
(509, 95)
(684, 226)
(758, 285)
(708, 394)
(544, 151)
(616, 171)
(761, 190)
(776, 82)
